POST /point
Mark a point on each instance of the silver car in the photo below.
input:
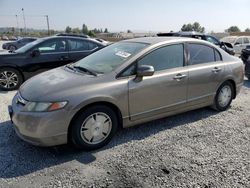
(238, 42)
(124, 84)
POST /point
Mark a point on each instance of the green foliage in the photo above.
(68, 29)
(129, 31)
(106, 30)
(91, 33)
(193, 27)
(233, 29)
(247, 30)
(76, 30)
(85, 29)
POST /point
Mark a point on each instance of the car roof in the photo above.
(73, 37)
(181, 33)
(155, 40)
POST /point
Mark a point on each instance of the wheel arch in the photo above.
(104, 103)
(232, 81)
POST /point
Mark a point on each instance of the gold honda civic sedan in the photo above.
(124, 84)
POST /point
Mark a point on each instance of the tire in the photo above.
(86, 130)
(12, 48)
(222, 101)
(10, 79)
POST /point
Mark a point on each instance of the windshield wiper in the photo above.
(85, 70)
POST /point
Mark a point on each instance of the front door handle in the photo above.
(62, 58)
(179, 77)
(216, 69)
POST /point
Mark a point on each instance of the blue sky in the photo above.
(120, 15)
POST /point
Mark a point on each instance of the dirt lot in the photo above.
(201, 148)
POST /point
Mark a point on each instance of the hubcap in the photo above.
(96, 128)
(8, 79)
(225, 96)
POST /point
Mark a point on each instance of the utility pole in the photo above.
(47, 18)
(17, 24)
(25, 29)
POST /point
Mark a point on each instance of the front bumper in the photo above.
(40, 128)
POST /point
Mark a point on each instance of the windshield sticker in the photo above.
(123, 54)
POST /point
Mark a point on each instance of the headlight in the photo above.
(43, 106)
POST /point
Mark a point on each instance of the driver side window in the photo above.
(167, 57)
(52, 46)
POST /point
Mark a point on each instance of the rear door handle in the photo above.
(64, 58)
(179, 76)
(216, 69)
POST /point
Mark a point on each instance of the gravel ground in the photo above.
(201, 148)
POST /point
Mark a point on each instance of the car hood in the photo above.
(57, 84)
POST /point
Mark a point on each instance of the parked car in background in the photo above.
(245, 53)
(238, 42)
(247, 68)
(127, 83)
(13, 38)
(41, 55)
(12, 46)
(4, 37)
(192, 34)
(83, 36)
(72, 35)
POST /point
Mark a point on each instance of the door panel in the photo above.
(205, 73)
(204, 80)
(159, 93)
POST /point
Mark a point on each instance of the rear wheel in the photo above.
(224, 96)
(93, 128)
(10, 79)
(12, 48)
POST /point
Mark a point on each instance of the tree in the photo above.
(85, 29)
(106, 30)
(193, 27)
(247, 30)
(76, 30)
(129, 31)
(233, 29)
(68, 29)
(91, 33)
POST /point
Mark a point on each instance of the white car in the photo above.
(238, 42)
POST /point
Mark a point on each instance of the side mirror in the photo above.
(35, 53)
(145, 70)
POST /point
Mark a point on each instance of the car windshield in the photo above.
(109, 58)
(228, 39)
(28, 46)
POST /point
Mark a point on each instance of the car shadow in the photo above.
(18, 158)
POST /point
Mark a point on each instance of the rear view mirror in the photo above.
(35, 53)
(145, 70)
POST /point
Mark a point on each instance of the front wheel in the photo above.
(224, 96)
(12, 48)
(93, 128)
(10, 79)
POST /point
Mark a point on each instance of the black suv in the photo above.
(41, 55)
(192, 34)
(245, 56)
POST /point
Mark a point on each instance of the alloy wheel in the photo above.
(8, 79)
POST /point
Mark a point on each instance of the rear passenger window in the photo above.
(245, 40)
(217, 56)
(92, 46)
(165, 58)
(200, 54)
(78, 45)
